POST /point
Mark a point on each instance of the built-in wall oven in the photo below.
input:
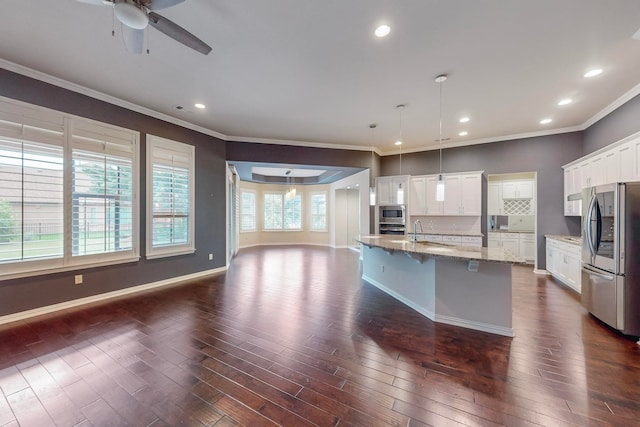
(391, 219)
(611, 246)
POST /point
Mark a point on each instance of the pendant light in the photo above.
(400, 191)
(291, 190)
(440, 183)
(372, 187)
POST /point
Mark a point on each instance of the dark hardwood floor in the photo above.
(293, 336)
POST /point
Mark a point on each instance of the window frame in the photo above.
(326, 212)
(23, 116)
(299, 196)
(254, 214)
(155, 142)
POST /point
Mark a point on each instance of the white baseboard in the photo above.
(15, 317)
(544, 272)
(253, 245)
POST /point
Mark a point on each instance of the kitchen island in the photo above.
(462, 286)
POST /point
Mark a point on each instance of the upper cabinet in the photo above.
(513, 197)
(517, 189)
(618, 163)
(462, 195)
(392, 190)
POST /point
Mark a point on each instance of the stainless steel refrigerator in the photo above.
(611, 255)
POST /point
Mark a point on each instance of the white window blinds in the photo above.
(170, 197)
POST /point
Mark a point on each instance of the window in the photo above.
(318, 220)
(247, 210)
(52, 167)
(170, 197)
(281, 214)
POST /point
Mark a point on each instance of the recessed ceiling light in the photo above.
(200, 106)
(464, 119)
(398, 143)
(565, 101)
(545, 121)
(463, 133)
(593, 73)
(382, 31)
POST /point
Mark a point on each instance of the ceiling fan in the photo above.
(135, 15)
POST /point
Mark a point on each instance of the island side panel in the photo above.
(402, 277)
(478, 300)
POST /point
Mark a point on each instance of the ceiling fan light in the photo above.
(130, 15)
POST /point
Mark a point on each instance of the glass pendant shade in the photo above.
(440, 189)
(400, 195)
(372, 196)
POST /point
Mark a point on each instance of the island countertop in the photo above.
(404, 244)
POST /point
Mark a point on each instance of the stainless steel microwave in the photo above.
(392, 214)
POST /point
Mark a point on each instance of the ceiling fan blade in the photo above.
(162, 4)
(178, 33)
(133, 39)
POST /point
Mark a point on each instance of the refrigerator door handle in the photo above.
(591, 271)
(587, 225)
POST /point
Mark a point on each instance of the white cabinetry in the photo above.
(528, 246)
(517, 189)
(507, 241)
(475, 241)
(494, 198)
(563, 262)
(620, 162)
(434, 207)
(462, 195)
(418, 195)
(392, 190)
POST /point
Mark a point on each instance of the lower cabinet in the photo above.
(563, 262)
(519, 244)
(475, 241)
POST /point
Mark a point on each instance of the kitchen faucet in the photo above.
(415, 234)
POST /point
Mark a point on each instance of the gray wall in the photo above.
(544, 155)
(24, 294)
(619, 124)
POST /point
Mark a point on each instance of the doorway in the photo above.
(347, 218)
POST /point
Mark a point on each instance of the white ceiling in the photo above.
(312, 72)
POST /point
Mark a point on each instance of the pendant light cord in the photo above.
(440, 113)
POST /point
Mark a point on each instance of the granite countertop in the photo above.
(448, 233)
(573, 240)
(397, 243)
(510, 231)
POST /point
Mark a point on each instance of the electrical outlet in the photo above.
(382, 268)
(210, 257)
(78, 279)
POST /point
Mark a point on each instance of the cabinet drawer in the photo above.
(433, 237)
(471, 241)
(452, 240)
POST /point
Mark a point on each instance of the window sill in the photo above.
(170, 254)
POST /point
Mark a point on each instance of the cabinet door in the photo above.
(383, 188)
(433, 207)
(417, 196)
(527, 246)
(568, 189)
(452, 195)
(585, 175)
(574, 274)
(511, 243)
(551, 257)
(471, 195)
(611, 166)
(524, 189)
(509, 190)
(597, 171)
(493, 240)
(626, 162)
(494, 198)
